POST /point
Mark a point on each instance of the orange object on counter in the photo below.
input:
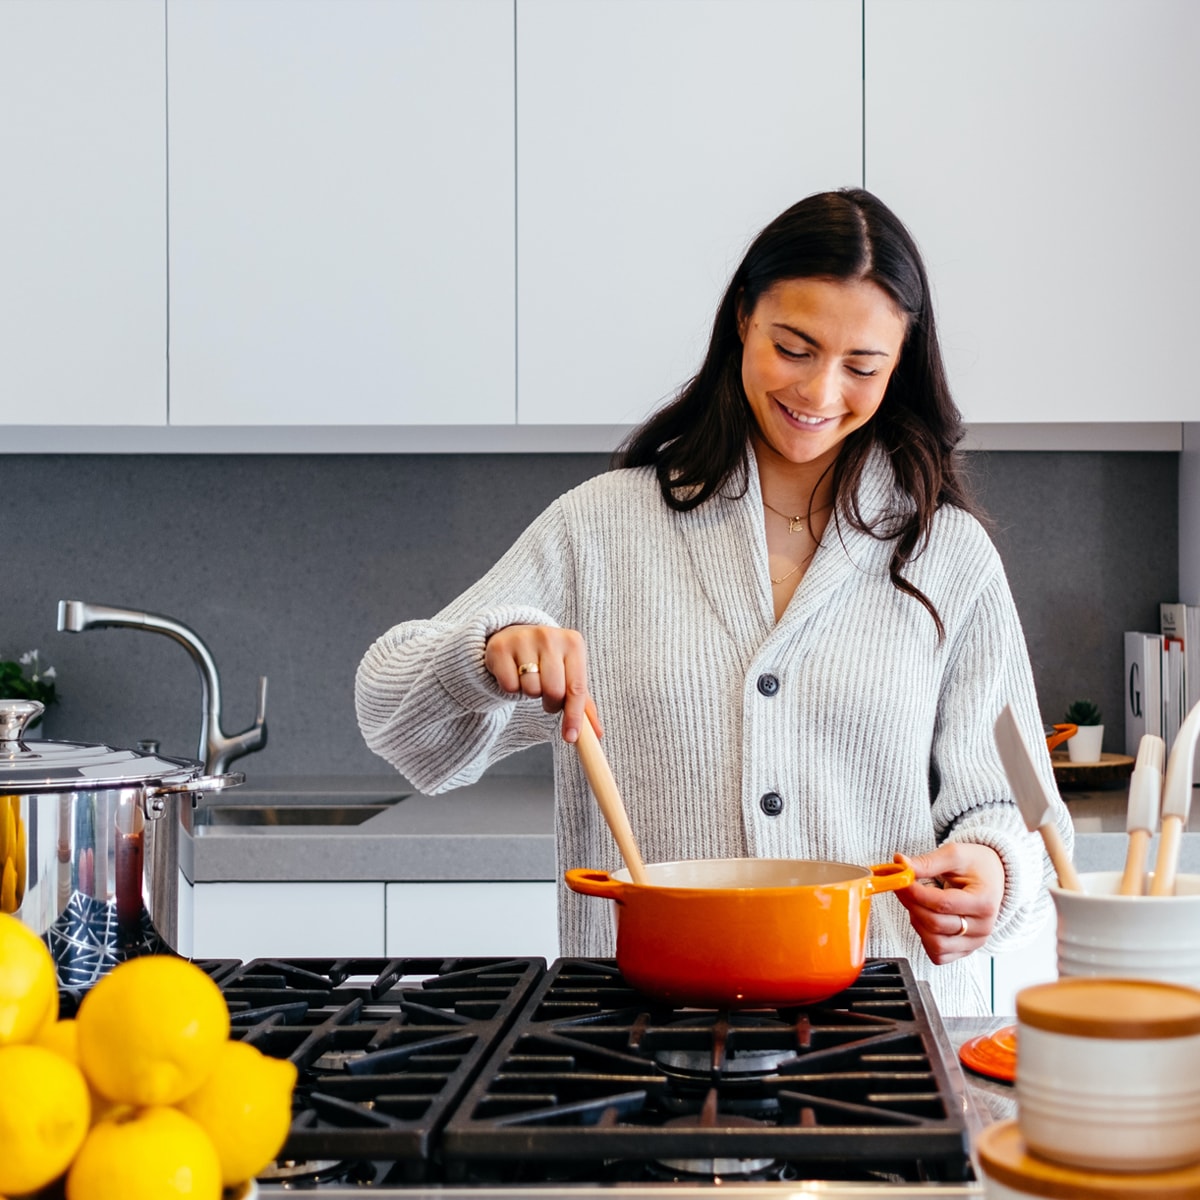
(1062, 733)
(742, 932)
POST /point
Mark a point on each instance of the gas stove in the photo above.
(507, 1077)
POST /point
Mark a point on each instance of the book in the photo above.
(1180, 625)
(1174, 699)
(1143, 688)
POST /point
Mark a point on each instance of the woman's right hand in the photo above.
(547, 662)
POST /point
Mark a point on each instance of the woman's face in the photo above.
(817, 355)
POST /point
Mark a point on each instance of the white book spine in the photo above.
(1143, 688)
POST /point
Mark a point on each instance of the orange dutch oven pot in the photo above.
(742, 932)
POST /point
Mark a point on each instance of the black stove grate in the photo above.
(385, 1047)
(596, 1070)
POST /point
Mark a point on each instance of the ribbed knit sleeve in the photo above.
(425, 701)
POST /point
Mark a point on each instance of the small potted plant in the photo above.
(27, 679)
(1085, 746)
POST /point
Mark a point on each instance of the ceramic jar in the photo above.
(1108, 1073)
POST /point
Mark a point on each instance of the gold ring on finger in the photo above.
(530, 668)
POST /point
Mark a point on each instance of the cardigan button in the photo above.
(768, 685)
(771, 804)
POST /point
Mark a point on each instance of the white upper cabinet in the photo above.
(653, 141)
(1043, 155)
(341, 212)
(83, 281)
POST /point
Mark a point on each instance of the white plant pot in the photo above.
(1086, 745)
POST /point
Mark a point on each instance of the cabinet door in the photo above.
(287, 920)
(341, 208)
(655, 139)
(1039, 154)
(83, 280)
(476, 919)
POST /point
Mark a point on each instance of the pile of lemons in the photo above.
(142, 1096)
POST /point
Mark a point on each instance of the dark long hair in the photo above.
(698, 443)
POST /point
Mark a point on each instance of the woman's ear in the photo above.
(743, 317)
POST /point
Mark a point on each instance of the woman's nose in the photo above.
(820, 388)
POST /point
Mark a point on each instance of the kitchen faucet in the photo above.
(217, 750)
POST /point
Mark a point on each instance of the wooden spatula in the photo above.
(1145, 792)
(1033, 800)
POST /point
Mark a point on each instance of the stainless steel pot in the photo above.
(89, 844)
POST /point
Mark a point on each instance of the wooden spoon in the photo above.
(1032, 798)
(604, 788)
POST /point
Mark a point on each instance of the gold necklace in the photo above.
(795, 524)
(785, 578)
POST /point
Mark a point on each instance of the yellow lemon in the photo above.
(63, 1038)
(149, 1031)
(44, 1110)
(245, 1106)
(28, 982)
(149, 1154)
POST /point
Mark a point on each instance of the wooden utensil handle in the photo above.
(604, 787)
(1167, 863)
(1133, 882)
(1063, 866)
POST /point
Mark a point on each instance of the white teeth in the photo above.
(803, 419)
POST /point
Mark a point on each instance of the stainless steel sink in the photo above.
(306, 811)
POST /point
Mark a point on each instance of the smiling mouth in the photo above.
(801, 419)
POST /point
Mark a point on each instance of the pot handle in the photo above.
(890, 877)
(154, 803)
(594, 883)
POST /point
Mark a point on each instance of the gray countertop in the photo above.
(501, 828)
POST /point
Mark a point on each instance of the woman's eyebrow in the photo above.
(812, 341)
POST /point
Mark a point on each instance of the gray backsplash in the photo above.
(289, 566)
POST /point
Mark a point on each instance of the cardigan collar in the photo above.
(726, 539)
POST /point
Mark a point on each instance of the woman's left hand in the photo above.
(953, 904)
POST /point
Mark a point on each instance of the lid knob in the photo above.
(15, 715)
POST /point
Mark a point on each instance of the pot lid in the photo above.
(45, 766)
(1125, 1009)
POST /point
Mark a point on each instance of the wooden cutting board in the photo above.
(1110, 771)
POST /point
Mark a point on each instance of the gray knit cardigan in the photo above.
(878, 737)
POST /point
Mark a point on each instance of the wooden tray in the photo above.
(1111, 770)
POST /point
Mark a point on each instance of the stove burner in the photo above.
(725, 1056)
(709, 1168)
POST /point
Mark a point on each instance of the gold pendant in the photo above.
(795, 525)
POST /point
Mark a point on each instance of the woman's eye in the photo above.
(862, 374)
(793, 354)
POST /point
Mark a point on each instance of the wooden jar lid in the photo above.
(1004, 1158)
(1128, 1009)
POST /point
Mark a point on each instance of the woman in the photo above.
(796, 633)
